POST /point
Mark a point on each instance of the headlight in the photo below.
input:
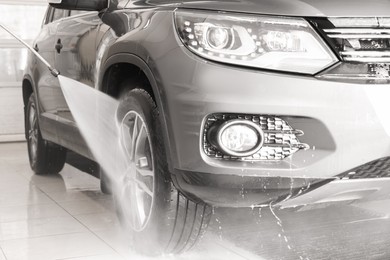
(276, 43)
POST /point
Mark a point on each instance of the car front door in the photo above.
(47, 87)
(75, 58)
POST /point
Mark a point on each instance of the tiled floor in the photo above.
(64, 216)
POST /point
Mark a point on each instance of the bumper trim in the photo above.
(242, 191)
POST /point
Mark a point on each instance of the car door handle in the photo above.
(59, 46)
(36, 48)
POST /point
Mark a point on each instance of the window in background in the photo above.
(12, 65)
(25, 21)
(24, 18)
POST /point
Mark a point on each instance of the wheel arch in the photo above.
(27, 88)
(125, 66)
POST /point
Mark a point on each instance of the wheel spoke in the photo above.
(34, 122)
(126, 139)
(132, 180)
(134, 137)
(134, 206)
(31, 135)
(32, 116)
(140, 205)
(145, 172)
(144, 187)
(139, 145)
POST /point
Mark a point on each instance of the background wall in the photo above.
(24, 18)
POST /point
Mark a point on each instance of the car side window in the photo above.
(49, 13)
(76, 12)
(122, 3)
(58, 14)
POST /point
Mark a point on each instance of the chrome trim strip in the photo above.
(359, 36)
(368, 59)
(357, 30)
(363, 53)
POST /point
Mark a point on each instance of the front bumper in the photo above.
(345, 124)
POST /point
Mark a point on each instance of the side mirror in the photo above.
(81, 5)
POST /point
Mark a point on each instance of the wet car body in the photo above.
(338, 116)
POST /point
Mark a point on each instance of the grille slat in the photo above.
(360, 36)
(365, 40)
(369, 31)
(376, 54)
(368, 59)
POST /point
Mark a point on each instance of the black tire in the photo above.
(45, 157)
(175, 223)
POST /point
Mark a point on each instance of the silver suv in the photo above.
(226, 103)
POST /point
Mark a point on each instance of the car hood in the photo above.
(343, 8)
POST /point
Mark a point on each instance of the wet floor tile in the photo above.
(12, 186)
(117, 239)
(68, 196)
(88, 206)
(41, 180)
(99, 221)
(32, 196)
(18, 213)
(219, 251)
(68, 180)
(55, 247)
(99, 257)
(40, 227)
(8, 177)
(52, 187)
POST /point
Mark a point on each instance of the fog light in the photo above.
(240, 138)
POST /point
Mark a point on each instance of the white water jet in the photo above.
(95, 115)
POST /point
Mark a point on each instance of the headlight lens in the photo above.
(276, 43)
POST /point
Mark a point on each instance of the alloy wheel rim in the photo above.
(137, 186)
(33, 133)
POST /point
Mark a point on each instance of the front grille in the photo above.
(358, 39)
(362, 44)
(280, 139)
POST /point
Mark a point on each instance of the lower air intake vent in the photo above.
(375, 169)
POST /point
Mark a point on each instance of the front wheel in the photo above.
(148, 203)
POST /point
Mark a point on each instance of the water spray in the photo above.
(103, 140)
(107, 159)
